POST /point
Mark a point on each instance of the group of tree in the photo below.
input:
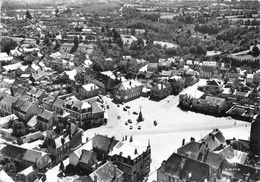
(7, 44)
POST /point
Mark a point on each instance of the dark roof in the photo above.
(173, 165)
(199, 171)
(32, 91)
(103, 142)
(13, 152)
(214, 139)
(213, 159)
(45, 114)
(232, 69)
(21, 90)
(8, 99)
(192, 149)
(88, 157)
(58, 103)
(213, 82)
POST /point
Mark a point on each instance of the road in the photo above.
(174, 125)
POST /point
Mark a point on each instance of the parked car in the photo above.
(108, 107)
(126, 123)
(118, 105)
(131, 127)
(124, 109)
(139, 127)
(135, 113)
(128, 107)
(129, 121)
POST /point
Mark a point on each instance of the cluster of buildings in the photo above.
(214, 158)
(234, 93)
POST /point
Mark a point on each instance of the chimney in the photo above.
(95, 178)
(130, 83)
(136, 152)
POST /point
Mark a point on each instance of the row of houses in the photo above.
(133, 160)
(210, 159)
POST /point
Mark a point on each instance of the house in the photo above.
(46, 119)
(109, 79)
(87, 159)
(214, 140)
(35, 95)
(193, 149)
(161, 90)
(132, 159)
(249, 78)
(57, 106)
(213, 86)
(128, 90)
(108, 172)
(164, 64)
(232, 74)
(181, 168)
(191, 77)
(98, 114)
(88, 91)
(75, 156)
(153, 67)
(20, 91)
(26, 157)
(60, 146)
(47, 102)
(6, 103)
(210, 105)
(25, 109)
(102, 145)
(79, 110)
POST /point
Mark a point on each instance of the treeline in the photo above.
(209, 28)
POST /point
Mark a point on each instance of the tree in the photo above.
(7, 44)
(57, 12)
(28, 15)
(18, 129)
(255, 51)
(57, 45)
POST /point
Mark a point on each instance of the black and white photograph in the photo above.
(129, 90)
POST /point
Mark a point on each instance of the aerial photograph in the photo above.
(129, 90)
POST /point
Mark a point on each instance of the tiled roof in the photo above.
(88, 157)
(8, 100)
(174, 164)
(214, 139)
(103, 142)
(96, 108)
(198, 171)
(58, 103)
(106, 172)
(213, 159)
(45, 114)
(13, 152)
(194, 149)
